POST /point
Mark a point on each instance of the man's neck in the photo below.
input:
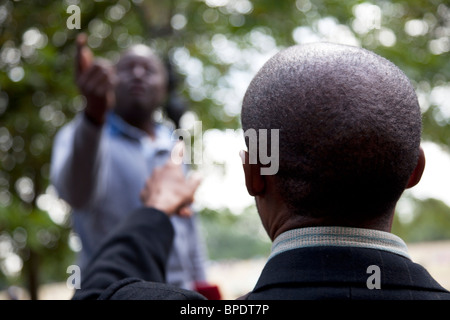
(148, 127)
(285, 220)
(146, 124)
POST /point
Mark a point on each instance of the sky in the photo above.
(435, 182)
(223, 184)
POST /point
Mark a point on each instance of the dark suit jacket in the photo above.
(341, 273)
(130, 265)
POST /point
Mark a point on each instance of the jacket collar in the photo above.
(338, 265)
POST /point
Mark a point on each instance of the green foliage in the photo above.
(231, 236)
(428, 220)
(29, 233)
(215, 47)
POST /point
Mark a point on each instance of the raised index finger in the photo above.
(84, 55)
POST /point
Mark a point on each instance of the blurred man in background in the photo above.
(102, 158)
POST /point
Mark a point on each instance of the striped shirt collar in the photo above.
(338, 236)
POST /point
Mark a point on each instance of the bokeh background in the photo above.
(213, 47)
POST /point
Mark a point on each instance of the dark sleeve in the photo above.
(138, 248)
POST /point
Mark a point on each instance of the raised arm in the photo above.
(77, 151)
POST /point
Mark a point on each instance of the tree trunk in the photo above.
(31, 269)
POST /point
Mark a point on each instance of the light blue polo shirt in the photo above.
(100, 172)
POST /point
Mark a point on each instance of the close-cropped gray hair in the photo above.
(349, 128)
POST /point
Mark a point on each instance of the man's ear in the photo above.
(254, 181)
(418, 170)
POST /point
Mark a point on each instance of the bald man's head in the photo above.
(350, 128)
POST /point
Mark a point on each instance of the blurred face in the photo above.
(141, 85)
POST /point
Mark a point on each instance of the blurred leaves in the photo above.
(231, 236)
(215, 47)
(427, 220)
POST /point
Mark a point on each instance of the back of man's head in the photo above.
(350, 129)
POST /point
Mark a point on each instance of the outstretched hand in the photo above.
(168, 189)
(96, 80)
